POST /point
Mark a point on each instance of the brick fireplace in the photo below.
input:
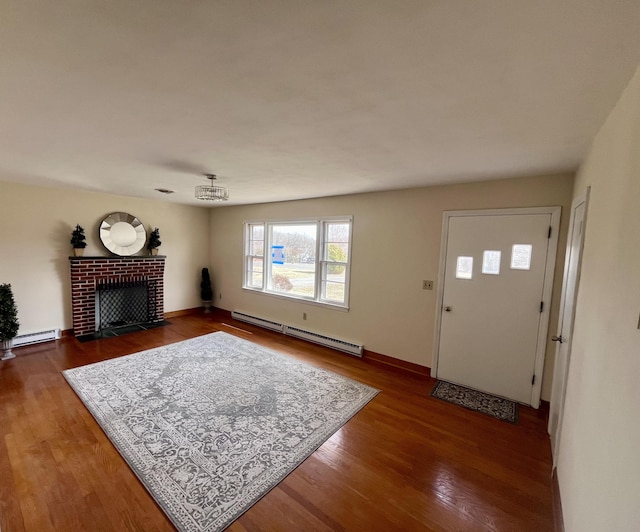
(88, 274)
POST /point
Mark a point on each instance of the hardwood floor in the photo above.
(406, 461)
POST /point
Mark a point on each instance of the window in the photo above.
(491, 262)
(306, 259)
(255, 256)
(464, 268)
(335, 258)
(521, 256)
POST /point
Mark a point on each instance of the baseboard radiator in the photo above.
(334, 343)
(37, 337)
(340, 345)
(260, 322)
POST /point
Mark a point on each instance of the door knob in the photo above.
(556, 339)
(447, 309)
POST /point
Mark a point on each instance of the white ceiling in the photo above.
(296, 99)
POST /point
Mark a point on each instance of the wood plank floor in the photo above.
(407, 461)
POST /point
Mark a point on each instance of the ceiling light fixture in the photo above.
(164, 190)
(211, 192)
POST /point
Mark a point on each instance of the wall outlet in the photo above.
(427, 285)
(304, 315)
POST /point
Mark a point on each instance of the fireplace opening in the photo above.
(124, 304)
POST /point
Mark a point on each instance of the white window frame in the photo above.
(322, 261)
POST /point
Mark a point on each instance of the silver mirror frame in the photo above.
(122, 234)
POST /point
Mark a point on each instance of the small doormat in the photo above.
(493, 406)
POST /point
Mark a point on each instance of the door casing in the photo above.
(565, 330)
(543, 328)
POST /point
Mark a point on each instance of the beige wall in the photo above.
(396, 244)
(599, 460)
(35, 227)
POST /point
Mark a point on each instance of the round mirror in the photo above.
(122, 234)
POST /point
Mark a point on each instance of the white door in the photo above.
(575, 242)
(498, 272)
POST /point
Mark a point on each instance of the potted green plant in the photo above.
(78, 241)
(154, 242)
(205, 290)
(8, 321)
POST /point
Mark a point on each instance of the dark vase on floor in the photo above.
(206, 292)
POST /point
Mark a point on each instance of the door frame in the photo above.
(543, 327)
(561, 378)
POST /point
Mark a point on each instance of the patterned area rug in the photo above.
(211, 424)
(491, 405)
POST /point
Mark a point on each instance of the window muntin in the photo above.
(307, 259)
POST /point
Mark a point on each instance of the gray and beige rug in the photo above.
(211, 424)
(491, 405)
